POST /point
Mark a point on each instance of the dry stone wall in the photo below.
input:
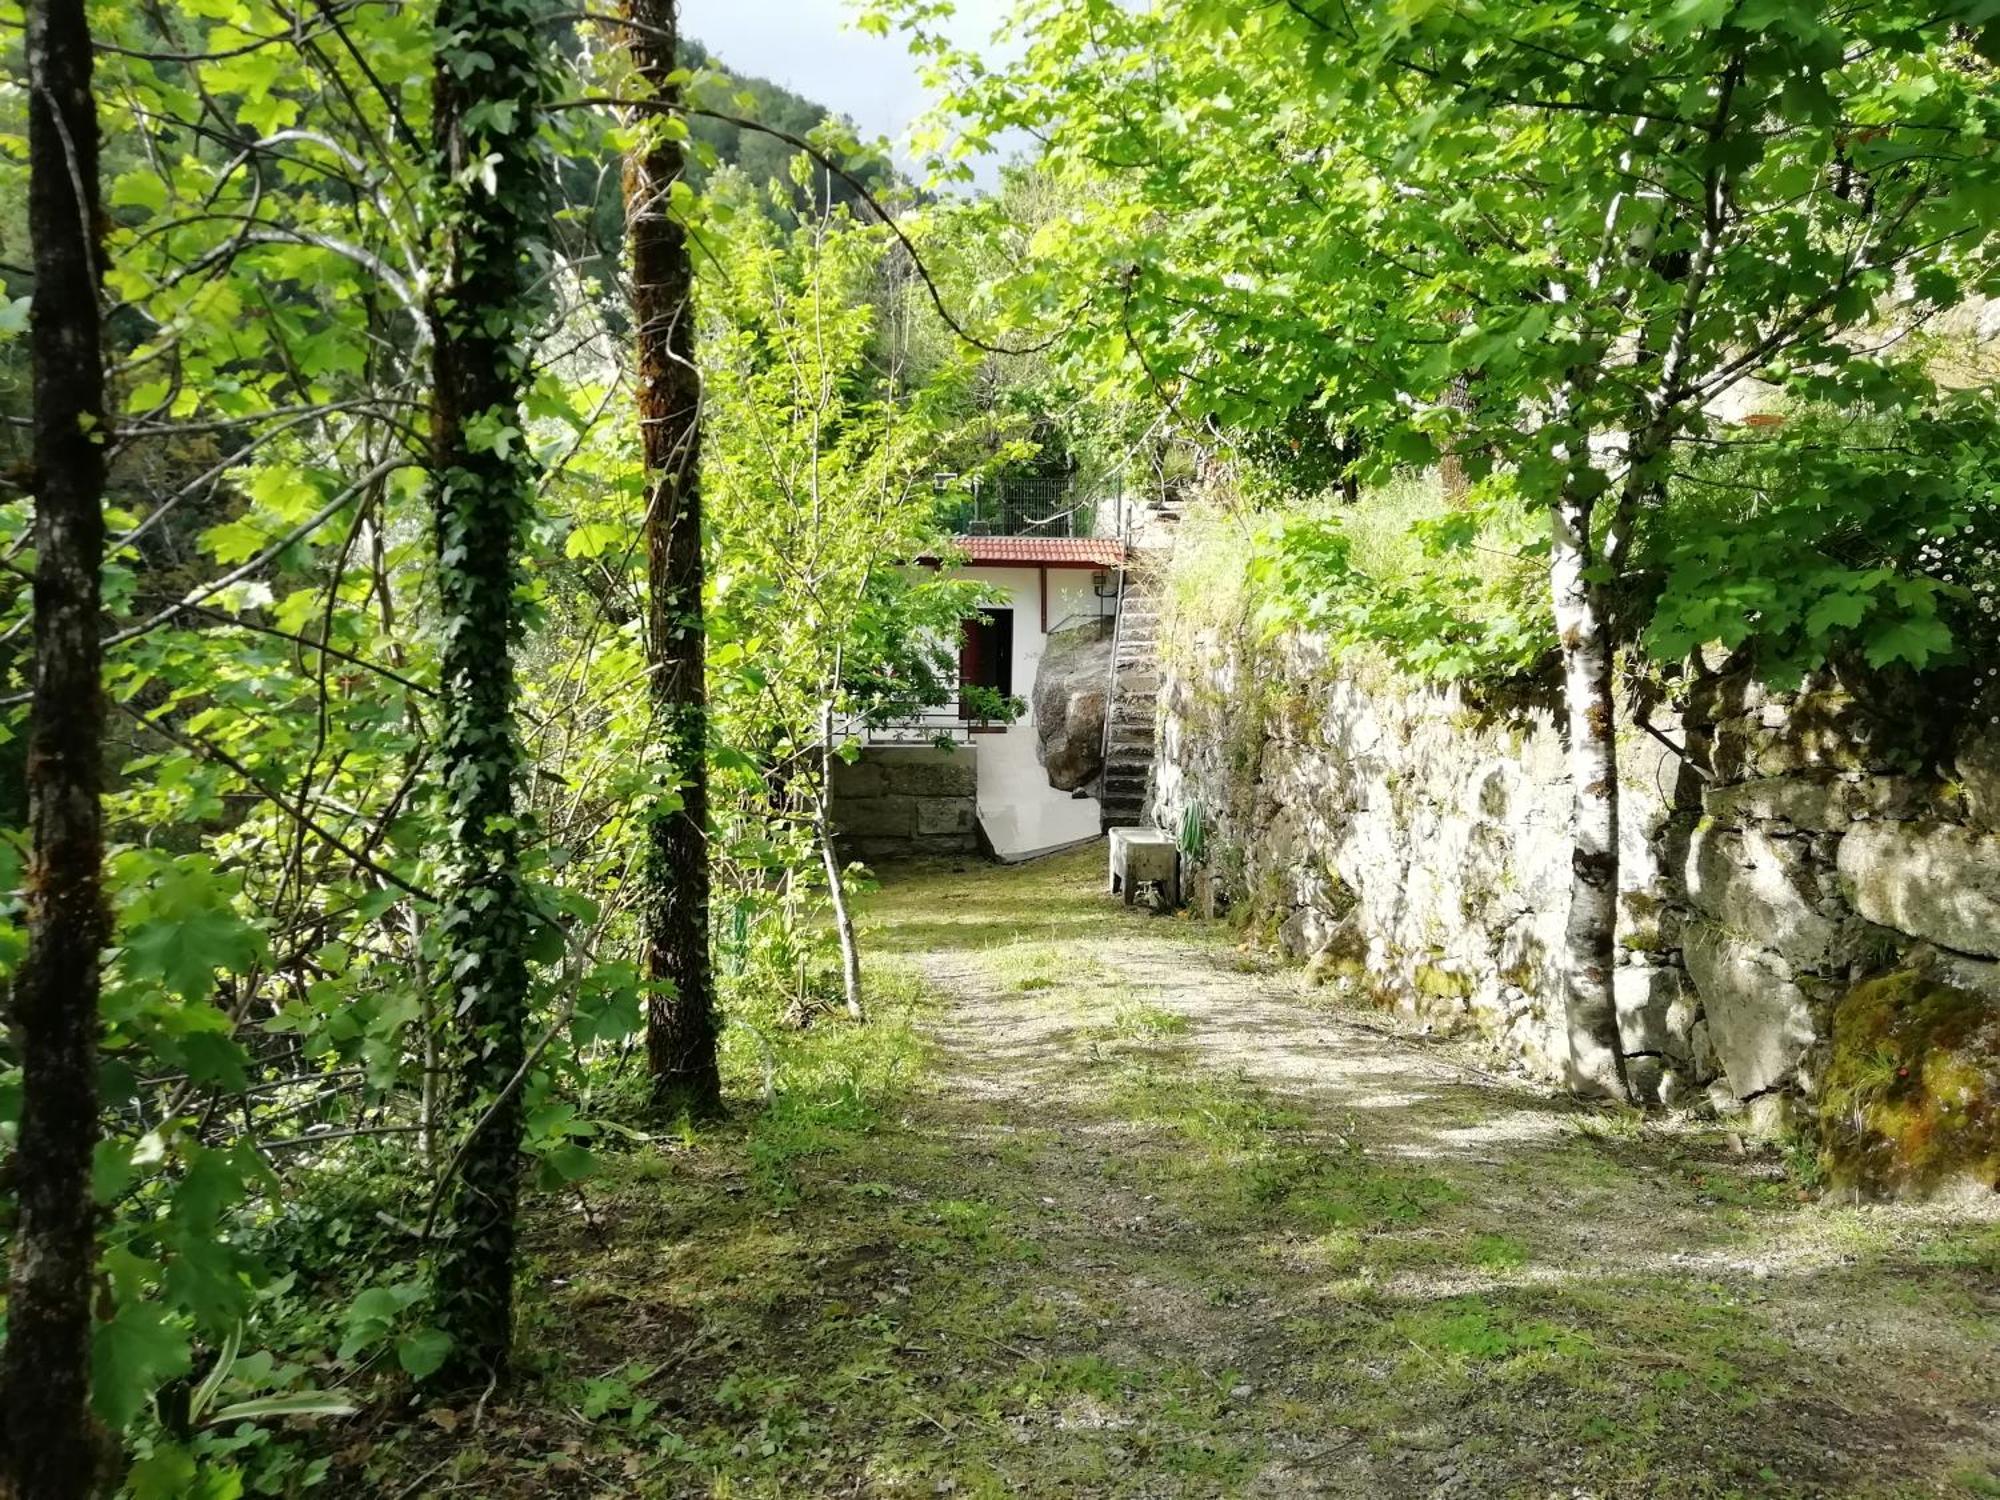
(1777, 852)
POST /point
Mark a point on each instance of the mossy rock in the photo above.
(1911, 1106)
(1442, 984)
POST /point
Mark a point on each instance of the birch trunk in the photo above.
(843, 920)
(1596, 1060)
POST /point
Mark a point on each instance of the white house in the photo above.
(1044, 584)
(1052, 582)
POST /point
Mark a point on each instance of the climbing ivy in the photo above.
(490, 206)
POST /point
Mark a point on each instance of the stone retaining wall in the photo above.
(897, 800)
(1776, 852)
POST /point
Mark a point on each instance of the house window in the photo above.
(985, 660)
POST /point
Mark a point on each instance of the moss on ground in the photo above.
(1085, 1210)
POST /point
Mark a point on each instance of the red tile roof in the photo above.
(1069, 551)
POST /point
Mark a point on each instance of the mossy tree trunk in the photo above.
(680, 1024)
(50, 1451)
(493, 203)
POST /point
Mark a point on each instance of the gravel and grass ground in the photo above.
(1099, 1204)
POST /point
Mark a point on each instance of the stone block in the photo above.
(946, 815)
(929, 772)
(1821, 803)
(1677, 1091)
(877, 817)
(1646, 1076)
(1978, 766)
(1656, 1010)
(863, 778)
(874, 850)
(1758, 1020)
(1702, 1046)
(1931, 880)
(1756, 884)
(1977, 976)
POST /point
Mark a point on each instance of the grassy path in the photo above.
(1098, 1205)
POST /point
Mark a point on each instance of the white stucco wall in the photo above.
(1020, 812)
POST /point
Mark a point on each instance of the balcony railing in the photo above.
(1013, 505)
(938, 726)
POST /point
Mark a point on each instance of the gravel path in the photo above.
(1397, 1273)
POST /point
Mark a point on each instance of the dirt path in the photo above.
(1099, 1205)
(1398, 1275)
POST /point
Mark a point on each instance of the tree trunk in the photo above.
(482, 491)
(843, 919)
(680, 1023)
(1453, 480)
(1596, 1060)
(50, 1449)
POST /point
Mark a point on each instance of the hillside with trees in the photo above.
(483, 494)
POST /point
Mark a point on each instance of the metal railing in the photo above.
(1117, 645)
(932, 727)
(1012, 505)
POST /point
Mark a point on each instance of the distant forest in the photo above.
(764, 157)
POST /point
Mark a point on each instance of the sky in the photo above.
(811, 47)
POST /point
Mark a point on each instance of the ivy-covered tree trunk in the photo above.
(493, 204)
(1596, 1060)
(50, 1451)
(680, 1024)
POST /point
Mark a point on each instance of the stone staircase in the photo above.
(1131, 708)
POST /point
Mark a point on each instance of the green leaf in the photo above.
(289, 1404)
(593, 539)
(423, 1351)
(1837, 611)
(131, 1357)
(233, 541)
(1913, 641)
(167, 1473)
(185, 930)
(110, 1170)
(144, 188)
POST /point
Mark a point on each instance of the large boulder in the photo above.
(1932, 880)
(1756, 884)
(1069, 696)
(1759, 1021)
(1912, 1099)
